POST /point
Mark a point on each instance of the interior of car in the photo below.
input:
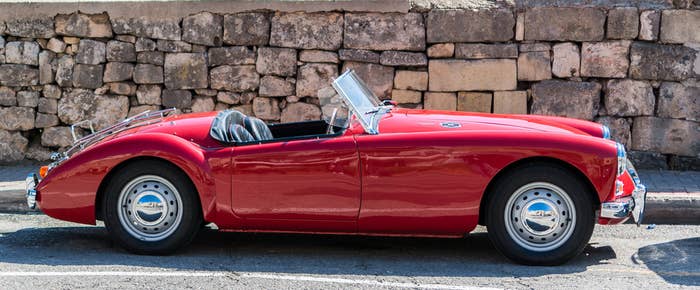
(235, 128)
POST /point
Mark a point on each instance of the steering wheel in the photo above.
(329, 130)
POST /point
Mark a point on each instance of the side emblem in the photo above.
(450, 124)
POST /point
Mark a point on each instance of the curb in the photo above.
(661, 207)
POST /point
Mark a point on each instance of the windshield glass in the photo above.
(362, 102)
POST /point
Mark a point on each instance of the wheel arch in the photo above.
(487, 194)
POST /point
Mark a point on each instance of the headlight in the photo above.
(621, 158)
(606, 132)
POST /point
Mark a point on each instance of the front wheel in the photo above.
(151, 207)
(540, 214)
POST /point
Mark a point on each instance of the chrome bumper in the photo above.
(31, 181)
(623, 207)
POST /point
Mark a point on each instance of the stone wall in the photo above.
(635, 69)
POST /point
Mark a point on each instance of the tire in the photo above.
(168, 216)
(540, 214)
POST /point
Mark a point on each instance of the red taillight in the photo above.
(43, 170)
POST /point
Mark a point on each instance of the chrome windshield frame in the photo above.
(361, 101)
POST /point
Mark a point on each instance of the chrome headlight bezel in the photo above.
(621, 158)
(606, 132)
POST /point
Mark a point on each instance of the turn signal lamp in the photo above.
(43, 170)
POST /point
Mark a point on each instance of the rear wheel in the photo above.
(540, 214)
(151, 207)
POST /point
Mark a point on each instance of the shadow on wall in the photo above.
(671, 260)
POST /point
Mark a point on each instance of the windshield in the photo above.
(362, 102)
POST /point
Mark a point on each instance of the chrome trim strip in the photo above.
(30, 193)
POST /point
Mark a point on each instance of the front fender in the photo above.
(69, 191)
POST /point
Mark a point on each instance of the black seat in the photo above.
(240, 134)
(258, 129)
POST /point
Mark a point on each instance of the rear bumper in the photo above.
(625, 207)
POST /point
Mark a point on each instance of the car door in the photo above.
(298, 185)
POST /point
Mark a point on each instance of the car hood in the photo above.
(407, 121)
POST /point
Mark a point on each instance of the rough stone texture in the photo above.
(52, 92)
(76, 105)
(470, 26)
(313, 77)
(27, 99)
(8, 97)
(57, 137)
(16, 118)
(403, 58)
(33, 27)
(441, 50)
(472, 75)
(18, 75)
(668, 136)
(379, 31)
(83, 25)
(22, 52)
(234, 78)
(296, 112)
(647, 160)
(378, 78)
(623, 23)
(87, 76)
(474, 102)
(272, 86)
(481, 50)
(510, 102)
(177, 99)
(605, 59)
(651, 61)
(406, 97)
(157, 28)
(45, 105)
(565, 98)
(680, 26)
(318, 56)
(535, 46)
(307, 30)
(46, 72)
(121, 51)
(266, 108)
(567, 60)
(246, 29)
(123, 88)
(145, 44)
(151, 57)
(629, 98)
(46, 120)
(64, 71)
(204, 28)
(91, 52)
(276, 61)
(565, 24)
(186, 71)
(232, 55)
(620, 129)
(440, 101)
(202, 104)
(173, 46)
(358, 55)
(649, 24)
(534, 66)
(55, 45)
(12, 146)
(148, 94)
(148, 74)
(679, 101)
(229, 98)
(118, 71)
(109, 110)
(411, 80)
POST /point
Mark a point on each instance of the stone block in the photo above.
(51, 92)
(650, 61)
(474, 102)
(358, 55)
(680, 26)
(76, 105)
(64, 71)
(578, 100)
(91, 52)
(668, 136)
(48, 106)
(12, 147)
(535, 46)
(150, 27)
(313, 77)
(620, 129)
(403, 58)
(246, 29)
(118, 71)
(411, 80)
(122, 88)
(272, 86)
(46, 68)
(441, 50)
(481, 50)
(406, 96)
(567, 60)
(17, 118)
(18, 75)
(297, 112)
(440, 101)
(46, 120)
(629, 98)
(534, 66)
(145, 44)
(230, 98)
(245, 109)
(28, 99)
(87, 76)
(173, 46)
(83, 25)
(186, 71)
(510, 102)
(649, 24)
(126, 38)
(31, 27)
(57, 137)
(564, 24)
(180, 99)
(148, 94)
(276, 61)
(203, 28)
(266, 108)
(148, 74)
(319, 56)
(8, 97)
(623, 23)
(472, 75)
(135, 110)
(605, 59)
(379, 78)
(56, 45)
(22, 52)
(307, 30)
(234, 78)
(151, 57)
(379, 31)
(679, 101)
(495, 25)
(120, 51)
(231, 55)
(202, 104)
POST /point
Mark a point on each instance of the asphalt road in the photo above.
(37, 251)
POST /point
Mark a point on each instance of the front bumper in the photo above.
(624, 207)
(31, 182)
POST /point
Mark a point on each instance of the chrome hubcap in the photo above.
(150, 208)
(540, 216)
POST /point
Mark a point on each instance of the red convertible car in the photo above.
(538, 183)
